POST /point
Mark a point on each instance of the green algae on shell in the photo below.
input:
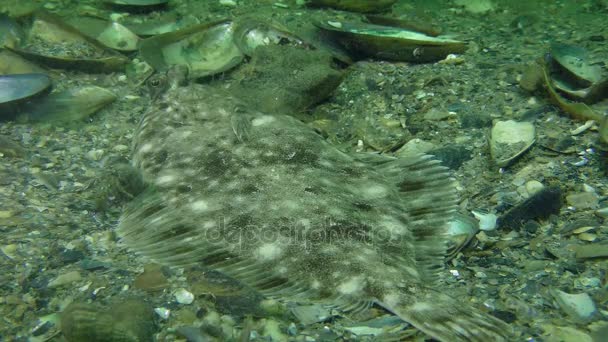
(205, 49)
(390, 43)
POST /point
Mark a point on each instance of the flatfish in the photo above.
(266, 200)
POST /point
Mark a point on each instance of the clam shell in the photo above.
(12, 63)
(390, 43)
(137, 5)
(205, 49)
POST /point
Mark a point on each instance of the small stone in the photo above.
(579, 307)
(183, 296)
(65, 279)
(539, 206)
(533, 187)
(95, 154)
(436, 114)
(120, 148)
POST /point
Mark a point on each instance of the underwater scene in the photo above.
(303, 170)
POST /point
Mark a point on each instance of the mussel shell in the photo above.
(10, 33)
(354, 5)
(16, 89)
(251, 33)
(53, 31)
(12, 63)
(390, 43)
(573, 62)
(165, 24)
(412, 24)
(205, 49)
(110, 34)
(137, 5)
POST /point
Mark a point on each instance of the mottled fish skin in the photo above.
(264, 199)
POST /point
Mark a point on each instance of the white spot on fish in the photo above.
(263, 120)
(269, 251)
(352, 286)
(199, 206)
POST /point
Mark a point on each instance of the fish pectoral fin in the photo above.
(241, 126)
(447, 319)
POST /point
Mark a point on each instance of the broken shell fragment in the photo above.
(354, 5)
(460, 232)
(205, 49)
(390, 43)
(18, 88)
(510, 139)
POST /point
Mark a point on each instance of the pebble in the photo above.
(533, 186)
(579, 307)
(65, 279)
(183, 296)
(95, 154)
(120, 148)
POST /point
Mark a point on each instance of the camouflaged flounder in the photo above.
(265, 200)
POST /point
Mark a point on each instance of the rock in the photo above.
(583, 200)
(579, 307)
(510, 139)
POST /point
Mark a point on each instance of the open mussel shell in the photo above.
(390, 43)
(461, 230)
(205, 49)
(573, 74)
(52, 42)
(111, 34)
(251, 33)
(19, 88)
(409, 23)
(354, 5)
